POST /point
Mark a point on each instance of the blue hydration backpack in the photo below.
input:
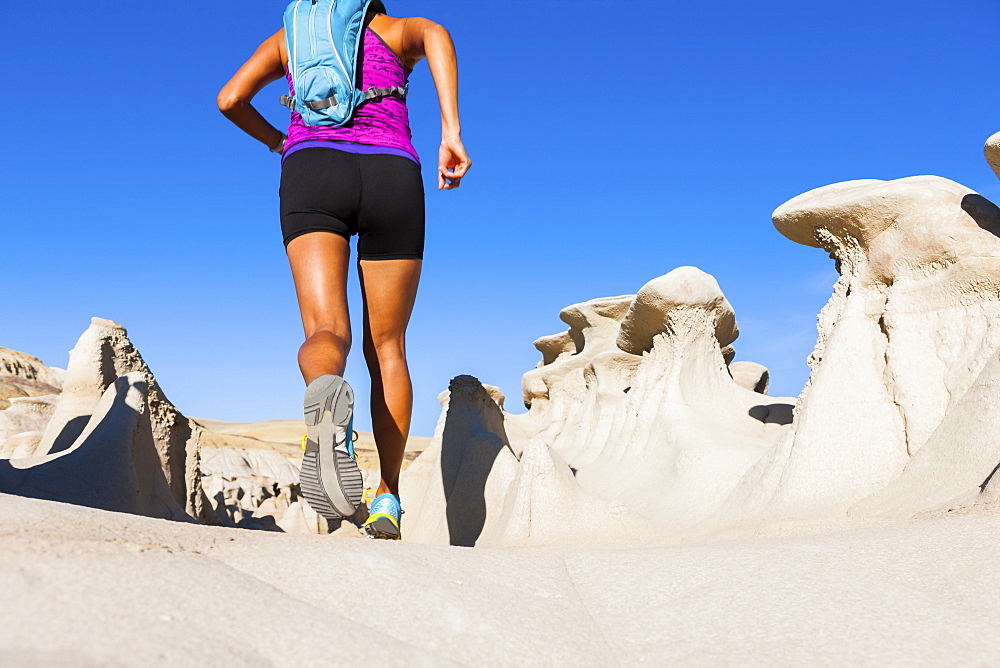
(323, 37)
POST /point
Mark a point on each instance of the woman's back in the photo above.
(383, 122)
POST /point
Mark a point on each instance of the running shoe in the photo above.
(330, 478)
(383, 519)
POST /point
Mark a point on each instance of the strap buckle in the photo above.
(319, 105)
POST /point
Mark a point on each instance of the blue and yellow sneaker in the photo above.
(383, 518)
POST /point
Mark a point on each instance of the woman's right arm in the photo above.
(423, 38)
(265, 65)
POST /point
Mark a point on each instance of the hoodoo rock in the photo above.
(637, 413)
(112, 464)
(635, 427)
(664, 303)
(135, 411)
(992, 151)
(913, 322)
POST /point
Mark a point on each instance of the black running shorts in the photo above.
(378, 197)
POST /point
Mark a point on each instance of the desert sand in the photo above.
(653, 504)
(85, 587)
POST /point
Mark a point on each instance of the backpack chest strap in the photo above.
(372, 93)
(287, 101)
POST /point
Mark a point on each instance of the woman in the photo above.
(361, 178)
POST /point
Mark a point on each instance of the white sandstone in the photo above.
(637, 429)
(992, 151)
(112, 464)
(637, 407)
(26, 414)
(22, 375)
(750, 376)
(101, 357)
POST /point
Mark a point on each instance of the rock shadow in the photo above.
(70, 432)
(773, 413)
(472, 439)
(984, 212)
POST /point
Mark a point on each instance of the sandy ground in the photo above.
(285, 436)
(83, 586)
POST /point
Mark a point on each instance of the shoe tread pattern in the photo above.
(335, 406)
(383, 529)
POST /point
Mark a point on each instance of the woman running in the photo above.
(359, 178)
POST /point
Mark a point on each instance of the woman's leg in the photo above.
(319, 269)
(389, 288)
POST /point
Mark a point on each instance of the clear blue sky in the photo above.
(612, 142)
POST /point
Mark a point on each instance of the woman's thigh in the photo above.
(389, 290)
(319, 268)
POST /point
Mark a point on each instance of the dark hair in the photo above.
(377, 7)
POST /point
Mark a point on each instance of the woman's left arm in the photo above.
(265, 65)
(423, 38)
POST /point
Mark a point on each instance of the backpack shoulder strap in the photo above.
(297, 41)
(328, 33)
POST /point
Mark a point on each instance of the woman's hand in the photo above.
(453, 163)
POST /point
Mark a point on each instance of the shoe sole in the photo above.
(329, 478)
(382, 529)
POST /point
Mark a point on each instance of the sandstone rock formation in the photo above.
(907, 337)
(26, 419)
(28, 394)
(22, 375)
(101, 356)
(993, 153)
(106, 436)
(635, 426)
(469, 488)
(117, 446)
(111, 465)
(751, 376)
(245, 486)
(259, 489)
(250, 474)
(636, 413)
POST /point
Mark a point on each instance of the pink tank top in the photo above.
(383, 123)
